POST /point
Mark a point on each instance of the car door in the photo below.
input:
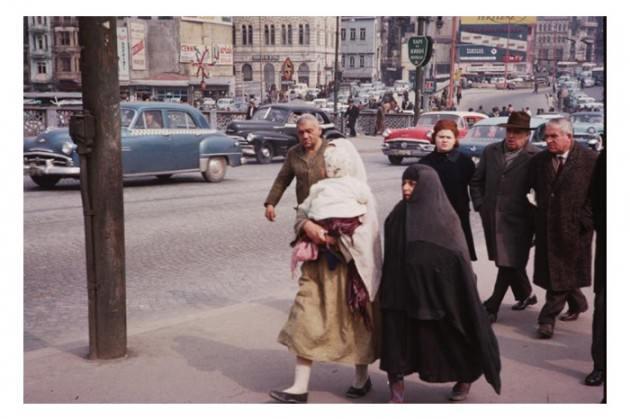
(185, 138)
(147, 148)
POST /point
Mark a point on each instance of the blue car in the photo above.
(158, 139)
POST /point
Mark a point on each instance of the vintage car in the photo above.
(587, 122)
(272, 130)
(488, 131)
(417, 141)
(158, 139)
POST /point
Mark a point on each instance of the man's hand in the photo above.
(315, 233)
(270, 212)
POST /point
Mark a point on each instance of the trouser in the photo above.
(555, 301)
(515, 278)
(598, 347)
(352, 126)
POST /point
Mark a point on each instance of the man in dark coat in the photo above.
(498, 190)
(560, 177)
(352, 113)
(251, 108)
(598, 202)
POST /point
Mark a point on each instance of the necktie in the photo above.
(559, 164)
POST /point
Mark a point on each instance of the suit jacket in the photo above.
(564, 220)
(499, 194)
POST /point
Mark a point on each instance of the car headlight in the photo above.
(250, 137)
(385, 146)
(429, 135)
(387, 132)
(68, 148)
(591, 130)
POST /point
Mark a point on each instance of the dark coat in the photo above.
(499, 194)
(598, 203)
(352, 113)
(564, 223)
(456, 170)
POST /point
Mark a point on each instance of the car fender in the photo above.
(218, 144)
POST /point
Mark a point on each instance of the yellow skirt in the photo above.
(321, 326)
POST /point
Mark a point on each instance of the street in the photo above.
(196, 250)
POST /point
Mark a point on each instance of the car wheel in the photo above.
(46, 182)
(264, 153)
(215, 172)
(397, 160)
(163, 178)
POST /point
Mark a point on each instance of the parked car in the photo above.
(587, 122)
(179, 140)
(272, 130)
(488, 131)
(417, 141)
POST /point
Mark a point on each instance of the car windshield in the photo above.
(487, 131)
(271, 114)
(430, 120)
(126, 116)
(588, 119)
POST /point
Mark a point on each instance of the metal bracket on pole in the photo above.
(82, 131)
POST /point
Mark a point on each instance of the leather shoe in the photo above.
(355, 393)
(459, 392)
(569, 316)
(283, 397)
(545, 331)
(595, 378)
(522, 305)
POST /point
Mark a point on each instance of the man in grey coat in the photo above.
(498, 190)
(560, 177)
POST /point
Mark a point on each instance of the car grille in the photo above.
(41, 159)
(407, 145)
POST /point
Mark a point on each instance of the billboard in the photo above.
(482, 53)
(206, 55)
(138, 50)
(498, 20)
(123, 54)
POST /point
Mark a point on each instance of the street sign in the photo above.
(420, 49)
(429, 86)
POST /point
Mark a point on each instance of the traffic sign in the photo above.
(429, 86)
(420, 49)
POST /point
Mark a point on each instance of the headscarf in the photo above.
(430, 215)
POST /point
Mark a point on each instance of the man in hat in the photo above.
(352, 113)
(251, 108)
(498, 190)
(564, 224)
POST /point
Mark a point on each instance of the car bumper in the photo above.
(421, 151)
(248, 150)
(50, 170)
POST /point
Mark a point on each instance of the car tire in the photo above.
(215, 172)
(163, 178)
(46, 182)
(264, 153)
(395, 160)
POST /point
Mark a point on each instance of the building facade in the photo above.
(360, 48)
(552, 42)
(277, 52)
(66, 53)
(40, 53)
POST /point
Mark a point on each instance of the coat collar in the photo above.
(301, 152)
(574, 153)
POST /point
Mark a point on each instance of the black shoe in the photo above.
(595, 378)
(569, 316)
(522, 305)
(545, 331)
(459, 392)
(283, 397)
(355, 393)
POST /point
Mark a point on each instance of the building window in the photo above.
(233, 35)
(266, 34)
(351, 61)
(250, 35)
(284, 34)
(290, 33)
(343, 34)
(39, 40)
(303, 74)
(361, 61)
(362, 34)
(39, 20)
(66, 64)
(247, 72)
(273, 34)
(244, 31)
(307, 34)
(41, 67)
(301, 34)
(64, 38)
(343, 60)
(353, 34)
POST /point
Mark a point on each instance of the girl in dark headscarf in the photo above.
(455, 170)
(433, 322)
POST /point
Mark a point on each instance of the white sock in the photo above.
(302, 376)
(360, 376)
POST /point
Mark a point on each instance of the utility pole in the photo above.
(97, 133)
(451, 83)
(336, 90)
(418, 103)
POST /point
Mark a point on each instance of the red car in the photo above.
(416, 141)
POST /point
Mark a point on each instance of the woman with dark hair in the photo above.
(455, 170)
(433, 322)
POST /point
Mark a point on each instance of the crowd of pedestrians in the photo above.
(414, 304)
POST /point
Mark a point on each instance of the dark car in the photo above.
(272, 130)
(158, 139)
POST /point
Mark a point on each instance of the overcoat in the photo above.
(564, 220)
(499, 194)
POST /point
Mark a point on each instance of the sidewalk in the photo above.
(230, 355)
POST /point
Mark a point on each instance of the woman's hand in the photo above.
(316, 233)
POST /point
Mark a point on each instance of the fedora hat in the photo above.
(518, 120)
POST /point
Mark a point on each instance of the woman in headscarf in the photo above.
(333, 318)
(455, 170)
(433, 321)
